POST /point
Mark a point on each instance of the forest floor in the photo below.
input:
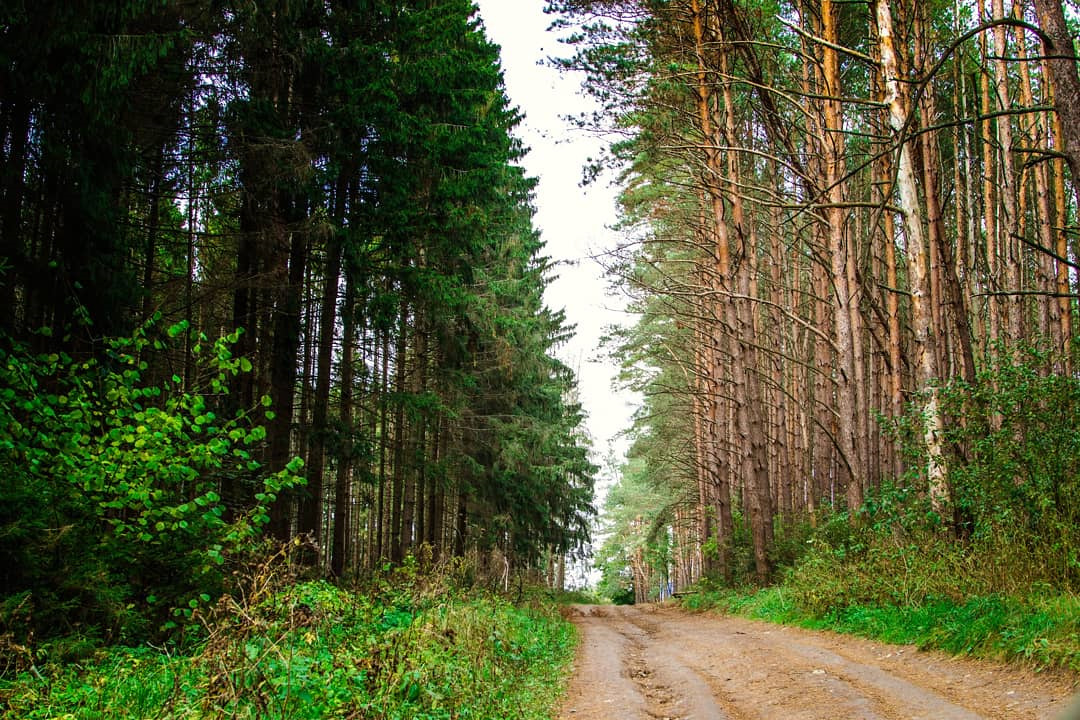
(659, 662)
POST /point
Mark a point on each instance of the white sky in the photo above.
(573, 221)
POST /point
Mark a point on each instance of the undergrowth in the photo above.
(389, 650)
(1041, 631)
(989, 596)
(903, 584)
(990, 567)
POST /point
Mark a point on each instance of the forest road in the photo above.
(655, 662)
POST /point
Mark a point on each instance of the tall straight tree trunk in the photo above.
(952, 321)
(430, 501)
(153, 223)
(1036, 137)
(926, 371)
(1061, 58)
(824, 449)
(189, 279)
(397, 532)
(1009, 250)
(799, 387)
(343, 481)
(991, 223)
(379, 550)
(748, 392)
(285, 348)
(238, 493)
(311, 505)
(17, 114)
(720, 273)
(413, 473)
(245, 306)
(821, 387)
(850, 396)
(701, 453)
(895, 380)
(461, 524)
(924, 157)
(966, 260)
(780, 330)
(1062, 248)
(705, 469)
(309, 318)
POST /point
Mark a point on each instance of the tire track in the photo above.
(650, 662)
(864, 690)
(673, 689)
(758, 681)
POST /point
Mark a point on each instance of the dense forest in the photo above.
(273, 315)
(850, 238)
(268, 272)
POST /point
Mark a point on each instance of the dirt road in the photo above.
(648, 662)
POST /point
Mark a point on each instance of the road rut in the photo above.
(658, 662)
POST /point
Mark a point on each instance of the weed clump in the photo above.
(391, 648)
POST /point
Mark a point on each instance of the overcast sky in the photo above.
(573, 220)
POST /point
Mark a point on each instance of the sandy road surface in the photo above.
(647, 662)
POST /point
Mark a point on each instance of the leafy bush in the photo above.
(1013, 460)
(112, 516)
(314, 650)
(1015, 465)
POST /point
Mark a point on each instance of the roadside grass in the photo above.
(995, 574)
(317, 651)
(1040, 630)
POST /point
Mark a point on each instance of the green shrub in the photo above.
(314, 650)
(113, 521)
(1013, 459)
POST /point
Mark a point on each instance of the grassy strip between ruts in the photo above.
(1042, 630)
(317, 651)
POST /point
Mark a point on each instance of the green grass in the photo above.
(128, 683)
(316, 651)
(1041, 630)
